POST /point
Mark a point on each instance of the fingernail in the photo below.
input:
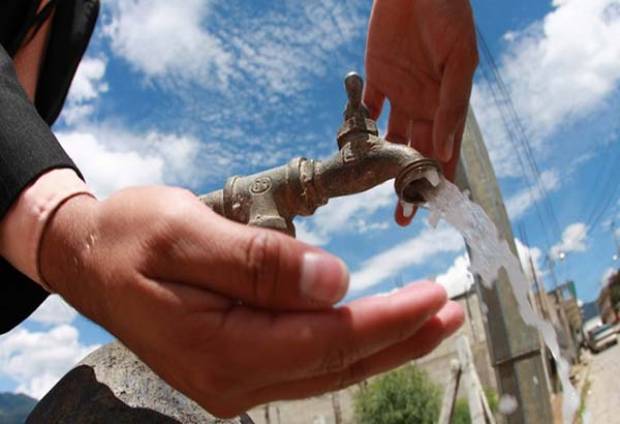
(400, 217)
(447, 148)
(324, 278)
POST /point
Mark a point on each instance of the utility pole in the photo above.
(514, 347)
(540, 291)
(614, 234)
(562, 317)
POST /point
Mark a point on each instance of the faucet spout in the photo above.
(368, 161)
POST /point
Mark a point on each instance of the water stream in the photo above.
(490, 253)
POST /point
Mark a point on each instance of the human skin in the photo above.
(421, 56)
(226, 313)
(232, 316)
(29, 57)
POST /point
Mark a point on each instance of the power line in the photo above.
(521, 133)
(608, 190)
(518, 137)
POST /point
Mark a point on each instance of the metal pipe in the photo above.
(273, 198)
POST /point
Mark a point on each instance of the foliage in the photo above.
(461, 412)
(14, 408)
(614, 289)
(492, 399)
(400, 397)
(582, 402)
(461, 408)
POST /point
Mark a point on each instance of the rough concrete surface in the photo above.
(603, 401)
(113, 386)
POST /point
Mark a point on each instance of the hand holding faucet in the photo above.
(421, 56)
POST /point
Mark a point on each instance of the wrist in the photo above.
(64, 257)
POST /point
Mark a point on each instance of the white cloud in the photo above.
(54, 311)
(307, 235)
(113, 158)
(522, 201)
(457, 279)
(536, 255)
(239, 73)
(348, 215)
(88, 84)
(570, 62)
(363, 226)
(163, 38)
(559, 69)
(212, 43)
(574, 239)
(352, 214)
(37, 360)
(415, 251)
(496, 137)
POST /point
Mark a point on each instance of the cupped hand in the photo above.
(421, 55)
(230, 315)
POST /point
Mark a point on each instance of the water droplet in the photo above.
(433, 177)
(508, 405)
(407, 209)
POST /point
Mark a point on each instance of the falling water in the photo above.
(490, 253)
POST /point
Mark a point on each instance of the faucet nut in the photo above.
(411, 182)
(353, 126)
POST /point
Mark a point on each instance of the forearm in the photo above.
(28, 149)
(66, 242)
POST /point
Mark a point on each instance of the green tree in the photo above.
(461, 412)
(614, 290)
(461, 408)
(403, 396)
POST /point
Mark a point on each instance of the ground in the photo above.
(603, 402)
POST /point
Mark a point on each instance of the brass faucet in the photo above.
(273, 198)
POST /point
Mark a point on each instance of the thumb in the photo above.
(259, 267)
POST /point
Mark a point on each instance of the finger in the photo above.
(291, 346)
(259, 267)
(453, 100)
(373, 100)
(449, 168)
(404, 217)
(398, 126)
(421, 133)
(422, 137)
(435, 330)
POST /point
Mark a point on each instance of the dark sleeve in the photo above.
(28, 149)
(19, 296)
(27, 146)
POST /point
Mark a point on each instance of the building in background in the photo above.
(569, 321)
(609, 299)
(337, 408)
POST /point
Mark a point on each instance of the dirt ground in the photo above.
(603, 401)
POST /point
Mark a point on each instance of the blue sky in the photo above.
(190, 95)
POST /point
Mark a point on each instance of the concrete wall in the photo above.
(320, 410)
(317, 410)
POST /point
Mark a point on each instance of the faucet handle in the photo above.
(354, 85)
(356, 116)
